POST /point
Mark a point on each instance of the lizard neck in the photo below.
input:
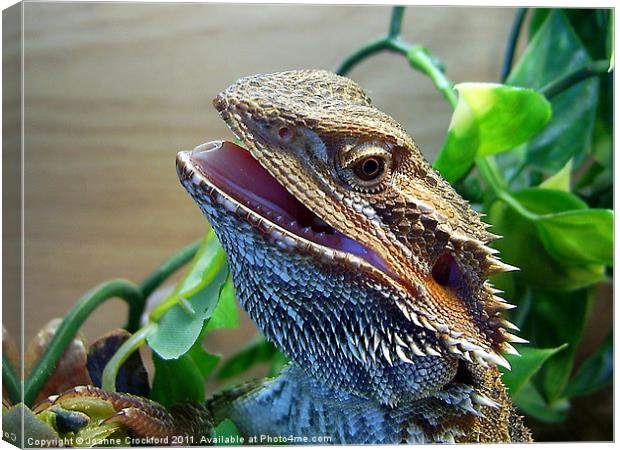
(301, 307)
(301, 407)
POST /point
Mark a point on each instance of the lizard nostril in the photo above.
(285, 133)
(446, 270)
(219, 102)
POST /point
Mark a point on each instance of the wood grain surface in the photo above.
(114, 90)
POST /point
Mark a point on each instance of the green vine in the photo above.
(396, 22)
(10, 381)
(419, 57)
(511, 48)
(72, 322)
(136, 340)
(593, 69)
(390, 42)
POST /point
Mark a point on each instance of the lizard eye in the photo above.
(369, 168)
(366, 166)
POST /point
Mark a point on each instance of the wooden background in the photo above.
(113, 91)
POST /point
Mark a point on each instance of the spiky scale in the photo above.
(512, 338)
(506, 347)
(484, 401)
(431, 351)
(386, 353)
(416, 350)
(401, 354)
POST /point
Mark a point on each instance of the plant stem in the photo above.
(110, 372)
(593, 69)
(362, 53)
(515, 205)
(168, 267)
(490, 175)
(71, 323)
(421, 59)
(513, 39)
(397, 45)
(10, 381)
(396, 22)
(389, 42)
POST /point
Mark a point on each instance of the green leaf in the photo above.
(555, 51)
(459, 149)
(227, 433)
(489, 119)
(548, 201)
(522, 240)
(602, 145)
(591, 25)
(225, 314)
(177, 380)
(278, 361)
(204, 360)
(533, 404)
(579, 237)
(179, 328)
(193, 301)
(558, 318)
(596, 182)
(205, 266)
(589, 177)
(522, 246)
(595, 372)
(505, 116)
(259, 350)
(561, 179)
(526, 365)
(537, 18)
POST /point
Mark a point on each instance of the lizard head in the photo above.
(342, 190)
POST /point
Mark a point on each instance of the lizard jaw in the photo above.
(210, 193)
(237, 182)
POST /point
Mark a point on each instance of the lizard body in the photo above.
(360, 263)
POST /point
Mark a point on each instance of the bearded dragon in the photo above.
(359, 262)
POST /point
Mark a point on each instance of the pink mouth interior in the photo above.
(238, 174)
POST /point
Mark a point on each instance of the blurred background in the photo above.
(113, 91)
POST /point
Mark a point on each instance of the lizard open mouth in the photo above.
(234, 172)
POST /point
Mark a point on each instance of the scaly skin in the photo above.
(399, 347)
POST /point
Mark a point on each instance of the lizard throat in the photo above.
(233, 171)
